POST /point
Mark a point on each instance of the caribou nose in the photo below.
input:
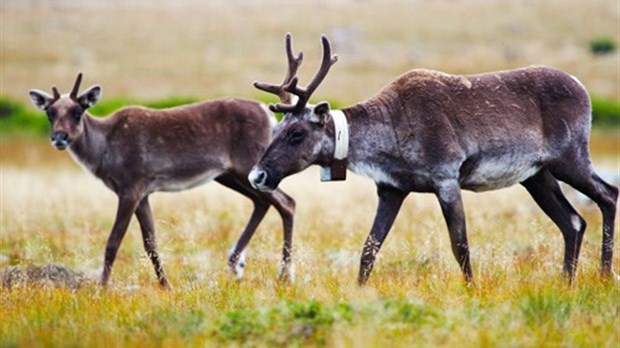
(257, 178)
(60, 140)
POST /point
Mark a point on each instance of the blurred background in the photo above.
(149, 50)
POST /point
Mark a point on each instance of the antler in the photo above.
(76, 87)
(303, 93)
(55, 92)
(293, 64)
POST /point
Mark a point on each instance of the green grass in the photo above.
(20, 119)
(605, 112)
(602, 45)
(549, 314)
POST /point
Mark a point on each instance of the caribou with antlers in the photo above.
(429, 131)
(137, 151)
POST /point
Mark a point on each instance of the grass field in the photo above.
(203, 49)
(52, 212)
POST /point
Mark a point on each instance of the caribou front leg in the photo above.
(127, 204)
(236, 255)
(286, 208)
(390, 201)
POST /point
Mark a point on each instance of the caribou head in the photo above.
(306, 135)
(65, 112)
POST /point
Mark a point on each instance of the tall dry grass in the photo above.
(53, 212)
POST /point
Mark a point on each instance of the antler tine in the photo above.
(55, 92)
(76, 86)
(293, 64)
(326, 64)
(290, 82)
(284, 108)
(304, 94)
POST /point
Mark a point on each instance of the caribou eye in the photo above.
(295, 137)
(76, 113)
(51, 114)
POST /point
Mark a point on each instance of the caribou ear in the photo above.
(90, 96)
(40, 99)
(320, 113)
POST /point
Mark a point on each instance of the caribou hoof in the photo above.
(165, 286)
(236, 264)
(286, 272)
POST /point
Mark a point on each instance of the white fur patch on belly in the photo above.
(176, 184)
(498, 173)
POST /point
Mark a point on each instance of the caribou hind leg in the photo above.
(145, 218)
(547, 193)
(606, 198)
(449, 195)
(262, 201)
(583, 178)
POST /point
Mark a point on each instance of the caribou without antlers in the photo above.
(429, 131)
(137, 151)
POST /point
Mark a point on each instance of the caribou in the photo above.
(433, 132)
(137, 151)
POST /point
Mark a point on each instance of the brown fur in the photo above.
(137, 151)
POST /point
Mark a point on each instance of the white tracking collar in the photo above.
(341, 134)
(337, 171)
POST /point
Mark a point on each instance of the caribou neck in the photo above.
(359, 122)
(89, 148)
(373, 148)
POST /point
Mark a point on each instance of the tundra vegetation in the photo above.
(415, 298)
(51, 212)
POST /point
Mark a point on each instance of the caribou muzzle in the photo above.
(60, 140)
(263, 180)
